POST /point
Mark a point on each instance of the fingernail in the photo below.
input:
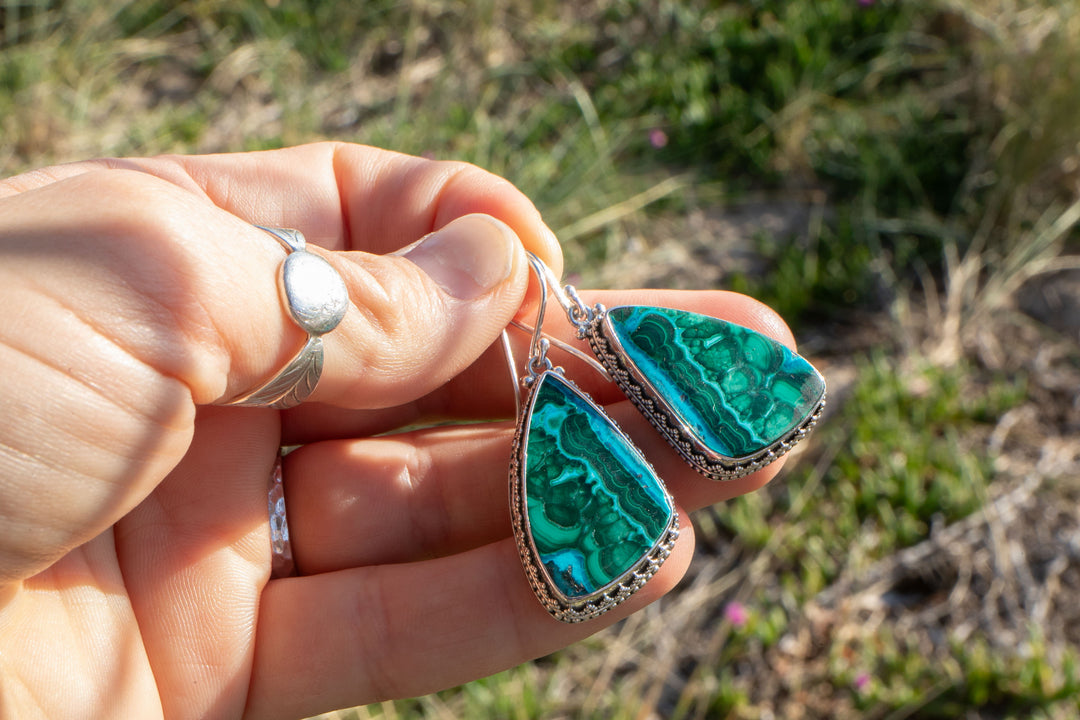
(467, 258)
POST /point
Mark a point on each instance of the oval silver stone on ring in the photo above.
(314, 292)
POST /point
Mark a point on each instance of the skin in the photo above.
(134, 544)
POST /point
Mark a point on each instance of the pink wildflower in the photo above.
(736, 614)
(657, 138)
(862, 680)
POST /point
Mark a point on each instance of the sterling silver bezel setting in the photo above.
(670, 423)
(561, 607)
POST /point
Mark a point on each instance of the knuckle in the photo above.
(137, 207)
(431, 523)
(401, 303)
(466, 175)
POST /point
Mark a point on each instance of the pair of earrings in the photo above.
(592, 520)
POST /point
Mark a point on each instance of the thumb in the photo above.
(423, 314)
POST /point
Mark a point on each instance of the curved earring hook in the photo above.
(577, 312)
(538, 360)
(538, 345)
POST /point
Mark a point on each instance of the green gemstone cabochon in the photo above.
(738, 391)
(594, 505)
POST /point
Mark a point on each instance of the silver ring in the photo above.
(281, 557)
(316, 299)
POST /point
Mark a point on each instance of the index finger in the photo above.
(342, 196)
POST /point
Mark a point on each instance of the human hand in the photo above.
(134, 542)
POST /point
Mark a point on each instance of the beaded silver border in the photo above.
(608, 350)
(549, 595)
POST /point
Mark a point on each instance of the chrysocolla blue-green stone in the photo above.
(595, 507)
(737, 390)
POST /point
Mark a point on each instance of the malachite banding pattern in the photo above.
(595, 507)
(738, 391)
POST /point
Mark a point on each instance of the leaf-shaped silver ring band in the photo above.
(316, 299)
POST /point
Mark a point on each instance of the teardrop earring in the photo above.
(730, 400)
(592, 520)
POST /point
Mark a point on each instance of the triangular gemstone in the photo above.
(727, 397)
(595, 519)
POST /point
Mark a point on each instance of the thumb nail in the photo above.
(467, 258)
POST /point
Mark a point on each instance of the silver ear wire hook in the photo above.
(538, 359)
(577, 312)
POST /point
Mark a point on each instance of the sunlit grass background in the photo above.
(899, 179)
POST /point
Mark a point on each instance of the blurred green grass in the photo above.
(936, 142)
